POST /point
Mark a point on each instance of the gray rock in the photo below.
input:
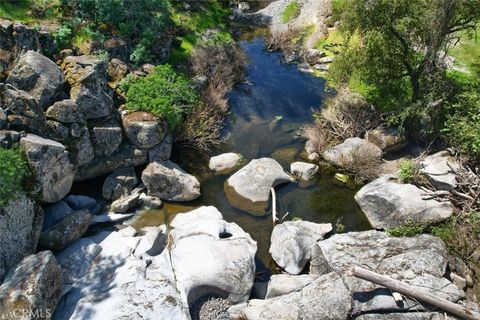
(124, 203)
(20, 225)
(281, 284)
(3, 119)
(119, 182)
(161, 151)
(81, 202)
(52, 170)
(39, 76)
(149, 202)
(65, 111)
(34, 287)
(88, 79)
(415, 315)
(69, 229)
(167, 181)
(224, 161)
(325, 298)
(303, 170)
(126, 155)
(350, 150)
(55, 213)
(388, 204)
(254, 180)
(106, 139)
(292, 243)
(82, 148)
(439, 168)
(419, 261)
(152, 243)
(23, 114)
(312, 154)
(243, 6)
(143, 129)
(117, 69)
(387, 139)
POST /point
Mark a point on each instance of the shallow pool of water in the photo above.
(266, 112)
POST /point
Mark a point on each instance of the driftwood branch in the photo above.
(413, 292)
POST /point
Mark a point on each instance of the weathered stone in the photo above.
(387, 139)
(281, 284)
(106, 139)
(225, 161)
(419, 261)
(152, 243)
(126, 155)
(254, 180)
(439, 168)
(65, 111)
(351, 151)
(33, 288)
(143, 129)
(292, 243)
(388, 204)
(20, 225)
(119, 182)
(161, 151)
(23, 113)
(310, 151)
(124, 203)
(243, 6)
(39, 76)
(325, 298)
(117, 69)
(167, 181)
(81, 202)
(55, 213)
(52, 170)
(116, 48)
(82, 148)
(149, 202)
(303, 170)
(69, 229)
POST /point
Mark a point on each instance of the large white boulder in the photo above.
(439, 168)
(388, 204)
(292, 243)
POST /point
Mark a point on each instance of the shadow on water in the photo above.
(266, 112)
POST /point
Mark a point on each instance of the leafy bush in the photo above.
(408, 171)
(63, 36)
(13, 170)
(164, 93)
(410, 229)
(291, 11)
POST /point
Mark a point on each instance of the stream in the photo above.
(266, 112)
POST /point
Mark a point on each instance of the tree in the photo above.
(403, 43)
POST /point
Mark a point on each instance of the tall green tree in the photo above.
(402, 43)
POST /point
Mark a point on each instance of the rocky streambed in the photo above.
(168, 234)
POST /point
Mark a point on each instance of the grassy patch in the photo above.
(29, 11)
(467, 51)
(212, 16)
(291, 11)
(13, 170)
(331, 44)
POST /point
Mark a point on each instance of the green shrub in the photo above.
(63, 36)
(164, 93)
(408, 230)
(13, 170)
(408, 171)
(291, 11)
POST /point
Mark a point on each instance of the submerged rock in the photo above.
(254, 180)
(167, 181)
(224, 161)
(20, 225)
(388, 204)
(303, 170)
(33, 288)
(52, 170)
(292, 243)
(39, 76)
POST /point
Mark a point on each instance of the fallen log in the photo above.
(413, 292)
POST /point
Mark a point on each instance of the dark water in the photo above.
(266, 112)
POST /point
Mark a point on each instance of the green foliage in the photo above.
(141, 21)
(63, 36)
(408, 171)
(410, 229)
(462, 123)
(338, 6)
(29, 11)
(164, 93)
(291, 11)
(13, 170)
